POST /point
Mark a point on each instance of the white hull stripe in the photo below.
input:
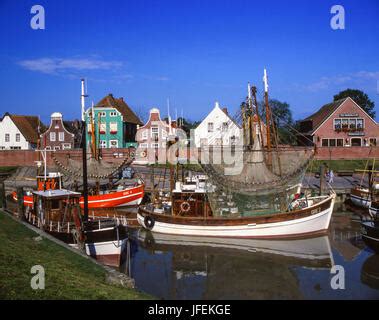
(113, 199)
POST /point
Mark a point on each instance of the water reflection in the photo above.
(182, 267)
(175, 267)
(370, 272)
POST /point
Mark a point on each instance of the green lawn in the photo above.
(7, 169)
(67, 275)
(341, 165)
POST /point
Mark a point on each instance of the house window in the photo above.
(7, 137)
(143, 145)
(57, 148)
(52, 136)
(144, 134)
(356, 142)
(339, 142)
(103, 144)
(113, 114)
(48, 148)
(103, 128)
(325, 143)
(17, 137)
(372, 142)
(345, 124)
(102, 114)
(113, 143)
(359, 124)
(66, 146)
(155, 145)
(203, 141)
(113, 127)
(61, 136)
(164, 134)
(155, 133)
(210, 126)
(337, 124)
(352, 124)
(89, 127)
(224, 126)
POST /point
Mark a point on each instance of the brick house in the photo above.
(152, 136)
(57, 137)
(18, 132)
(342, 126)
(115, 123)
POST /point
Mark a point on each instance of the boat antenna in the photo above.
(168, 115)
(84, 155)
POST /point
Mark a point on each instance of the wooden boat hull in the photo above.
(360, 197)
(127, 197)
(301, 223)
(106, 245)
(370, 234)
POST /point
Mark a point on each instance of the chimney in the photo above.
(225, 110)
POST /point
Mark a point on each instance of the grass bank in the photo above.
(341, 165)
(7, 169)
(67, 275)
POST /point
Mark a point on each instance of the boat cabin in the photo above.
(56, 205)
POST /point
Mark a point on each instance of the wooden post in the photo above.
(3, 199)
(322, 179)
(20, 202)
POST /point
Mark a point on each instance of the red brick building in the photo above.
(57, 137)
(342, 127)
(152, 137)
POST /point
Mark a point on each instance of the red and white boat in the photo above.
(130, 196)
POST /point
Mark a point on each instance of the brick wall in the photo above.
(28, 157)
(338, 153)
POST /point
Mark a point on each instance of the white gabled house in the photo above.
(217, 129)
(18, 132)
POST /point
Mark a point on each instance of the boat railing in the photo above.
(50, 226)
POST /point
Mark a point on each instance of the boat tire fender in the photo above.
(149, 222)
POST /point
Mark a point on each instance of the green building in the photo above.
(115, 124)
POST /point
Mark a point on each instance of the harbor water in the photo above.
(335, 266)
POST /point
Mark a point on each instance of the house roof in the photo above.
(323, 113)
(28, 126)
(121, 106)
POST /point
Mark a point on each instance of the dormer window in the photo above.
(210, 126)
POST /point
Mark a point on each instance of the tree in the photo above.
(360, 98)
(282, 117)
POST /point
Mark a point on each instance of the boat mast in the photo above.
(84, 155)
(268, 113)
(254, 92)
(250, 115)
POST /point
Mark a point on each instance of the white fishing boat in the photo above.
(260, 199)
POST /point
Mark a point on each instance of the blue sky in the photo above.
(193, 52)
